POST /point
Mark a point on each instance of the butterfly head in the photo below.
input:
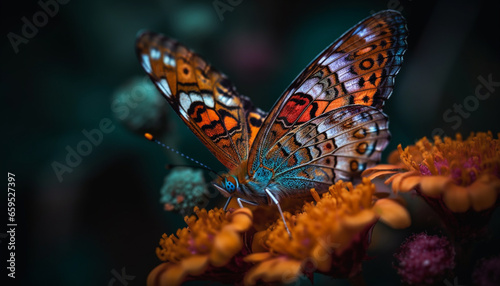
(228, 185)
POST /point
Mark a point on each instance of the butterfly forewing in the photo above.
(203, 97)
(357, 71)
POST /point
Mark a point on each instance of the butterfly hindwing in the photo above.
(356, 70)
(204, 98)
(336, 145)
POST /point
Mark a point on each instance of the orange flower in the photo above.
(212, 240)
(328, 236)
(465, 174)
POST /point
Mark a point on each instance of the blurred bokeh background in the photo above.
(104, 214)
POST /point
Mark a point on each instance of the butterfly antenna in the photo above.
(203, 166)
(171, 166)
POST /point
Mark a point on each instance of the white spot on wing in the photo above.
(228, 101)
(347, 78)
(337, 64)
(331, 58)
(146, 64)
(307, 85)
(209, 100)
(370, 37)
(168, 60)
(185, 101)
(323, 58)
(184, 113)
(372, 129)
(163, 85)
(362, 32)
(195, 97)
(351, 86)
(316, 90)
(155, 54)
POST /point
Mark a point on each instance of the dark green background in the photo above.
(106, 215)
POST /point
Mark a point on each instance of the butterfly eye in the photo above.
(230, 184)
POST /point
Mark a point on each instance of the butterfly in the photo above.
(327, 126)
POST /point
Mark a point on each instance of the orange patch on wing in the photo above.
(253, 130)
(337, 103)
(206, 117)
(253, 134)
(195, 112)
(230, 122)
(294, 107)
(321, 105)
(217, 130)
(349, 41)
(212, 114)
(366, 64)
(365, 50)
(378, 74)
(364, 97)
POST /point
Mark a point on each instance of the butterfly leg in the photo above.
(227, 203)
(275, 201)
(239, 200)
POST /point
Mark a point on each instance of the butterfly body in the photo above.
(327, 126)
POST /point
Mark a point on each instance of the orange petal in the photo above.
(409, 183)
(392, 213)
(286, 271)
(456, 198)
(257, 257)
(166, 274)
(241, 219)
(279, 269)
(484, 193)
(322, 256)
(378, 174)
(195, 265)
(226, 244)
(384, 167)
(153, 276)
(399, 178)
(359, 220)
(257, 243)
(173, 276)
(380, 170)
(434, 186)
